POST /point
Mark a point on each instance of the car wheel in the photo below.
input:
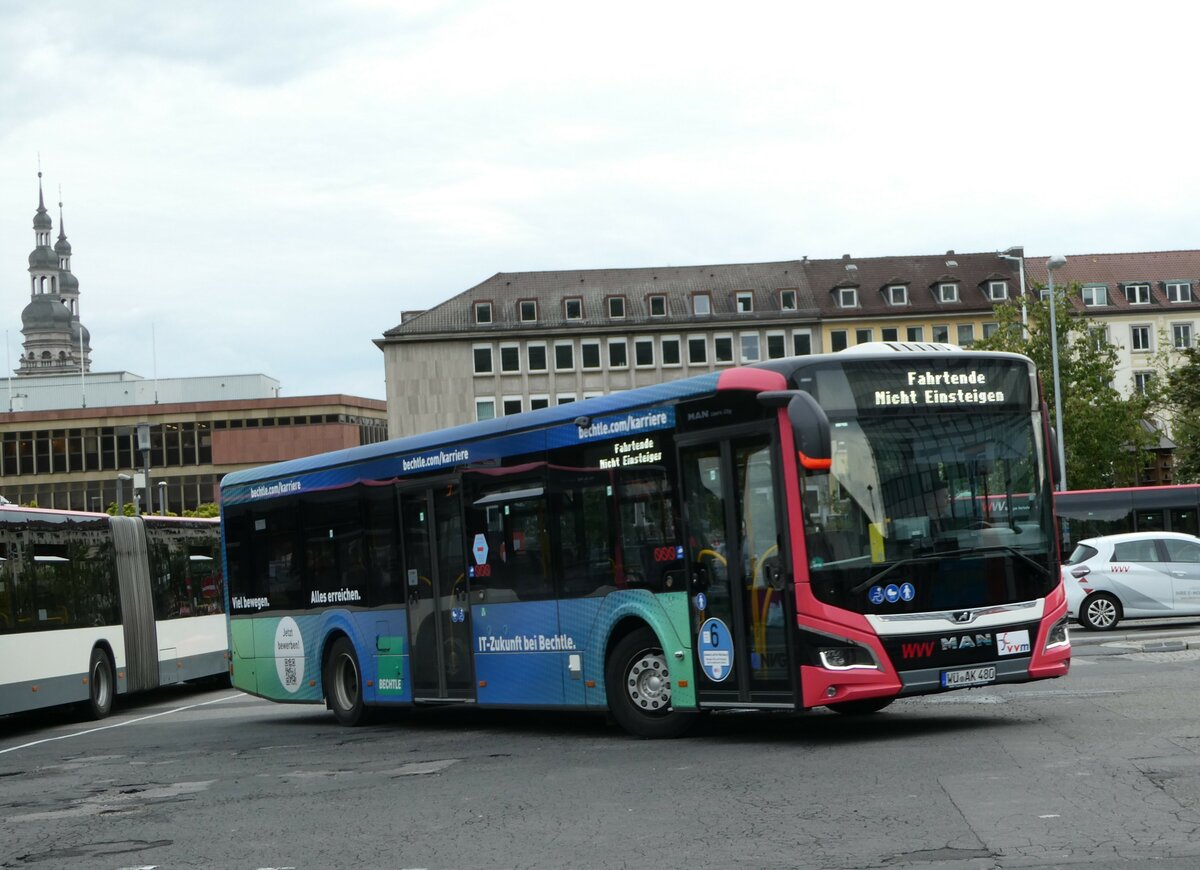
(638, 684)
(1100, 612)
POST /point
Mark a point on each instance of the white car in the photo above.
(1138, 575)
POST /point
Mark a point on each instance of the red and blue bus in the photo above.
(824, 531)
(1091, 513)
(93, 606)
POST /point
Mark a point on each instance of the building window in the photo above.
(538, 402)
(643, 353)
(966, 334)
(838, 340)
(1141, 381)
(990, 329)
(997, 290)
(483, 312)
(616, 307)
(1179, 291)
(618, 354)
(701, 304)
(573, 308)
(527, 310)
(697, 350)
(512, 405)
(1095, 295)
(745, 302)
(862, 336)
(510, 358)
(1137, 294)
(1099, 337)
(802, 343)
(776, 345)
(897, 294)
(564, 356)
(787, 300)
(889, 333)
(847, 297)
(670, 351)
(564, 398)
(485, 409)
(536, 353)
(589, 351)
(941, 334)
(749, 346)
(483, 359)
(723, 349)
(915, 333)
(947, 293)
(1139, 338)
(1181, 335)
(658, 306)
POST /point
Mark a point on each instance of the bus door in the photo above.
(741, 599)
(436, 592)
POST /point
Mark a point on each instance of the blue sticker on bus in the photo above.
(892, 593)
(907, 592)
(716, 650)
(701, 601)
(875, 596)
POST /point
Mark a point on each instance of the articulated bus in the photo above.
(93, 606)
(805, 532)
(1090, 513)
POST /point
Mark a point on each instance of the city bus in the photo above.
(1091, 513)
(93, 606)
(767, 537)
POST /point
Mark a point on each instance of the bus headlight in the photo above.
(845, 658)
(1058, 634)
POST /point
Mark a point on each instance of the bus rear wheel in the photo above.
(100, 685)
(638, 684)
(343, 684)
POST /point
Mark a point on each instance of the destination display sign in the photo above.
(904, 385)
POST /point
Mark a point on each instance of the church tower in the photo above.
(55, 341)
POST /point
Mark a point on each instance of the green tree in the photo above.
(1105, 440)
(1183, 400)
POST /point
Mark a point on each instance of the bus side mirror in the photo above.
(1055, 471)
(810, 427)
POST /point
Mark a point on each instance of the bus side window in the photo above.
(8, 610)
(512, 519)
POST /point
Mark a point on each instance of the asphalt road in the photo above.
(1099, 769)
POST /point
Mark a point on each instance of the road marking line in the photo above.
(120, 724)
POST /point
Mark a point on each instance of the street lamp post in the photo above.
(162, 498)
(121, 480)
(1056, 262)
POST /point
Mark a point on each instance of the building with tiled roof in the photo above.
(1145, 301)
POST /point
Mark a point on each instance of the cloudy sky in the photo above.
(266, 186)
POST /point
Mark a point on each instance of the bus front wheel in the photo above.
(638, 684)
(100, 685)
(343, 684)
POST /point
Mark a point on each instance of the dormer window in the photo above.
(947, 292)
(483, 312)
(1137, 294)
(527, 311)
(658, 306)
(1095, 295)
(573, 308)
(787, 300)
(847, 297)
(616, 307)
(1179, 291)
(997, 291)
(745, 302)
(897, 294)
(702, 304)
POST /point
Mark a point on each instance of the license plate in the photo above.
(968, 677)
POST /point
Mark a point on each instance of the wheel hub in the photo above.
(649, 683)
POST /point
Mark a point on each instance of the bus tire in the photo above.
(101, 688)
(343, 684)
(1100, 612)
(638, 685)
(865, 707)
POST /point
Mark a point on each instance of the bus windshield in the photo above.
(931, 508)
